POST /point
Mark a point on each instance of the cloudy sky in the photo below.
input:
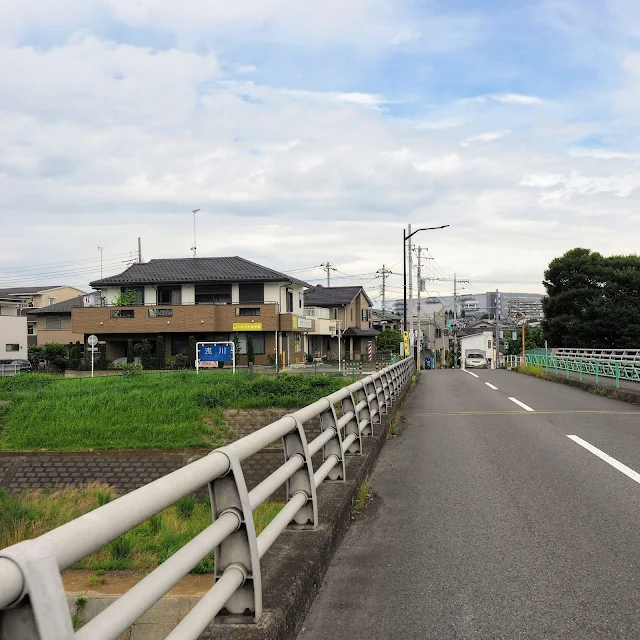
(313, 132)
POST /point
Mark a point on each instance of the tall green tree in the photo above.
(389, 341)
(592, 301)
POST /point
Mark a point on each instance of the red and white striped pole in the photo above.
(370, 351)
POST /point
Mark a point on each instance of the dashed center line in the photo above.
(475, 375)
(491, 386)
(607, 458)
(521, 404)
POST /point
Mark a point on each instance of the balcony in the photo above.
(174, 318)
(316, 312)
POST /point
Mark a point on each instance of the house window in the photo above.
(52, 301)
(251, 292)
(365, 315)
(300, 301)
(258, 343)
(122, 313)
(179, 347)
(31, 329)
(335, 313)
(248, 311)
(488, 344)
(12, 347)
(297, 342)
(351, 314)
(213, 294)
(169, 295)
(139, 291)
(53, 323)
(289, 301)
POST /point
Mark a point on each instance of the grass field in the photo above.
(33, 513)
(171, 411)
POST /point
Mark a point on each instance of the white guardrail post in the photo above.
(33, 605)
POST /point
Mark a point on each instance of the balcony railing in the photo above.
(317, 312)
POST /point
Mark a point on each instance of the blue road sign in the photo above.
(215, 353)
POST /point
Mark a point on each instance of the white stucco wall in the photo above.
(480, 342)
(13, 330)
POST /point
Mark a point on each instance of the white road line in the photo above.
(521, 404)
(471, 374)
(608, 459)
(491, 386)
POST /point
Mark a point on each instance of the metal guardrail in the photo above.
(32, 598)
(617, 369)
(624, 355)
(9, 370)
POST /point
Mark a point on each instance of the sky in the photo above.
(308, 133)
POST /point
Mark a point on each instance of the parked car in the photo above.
(475, 361)
(22, 366)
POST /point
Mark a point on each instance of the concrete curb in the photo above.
(294, 568)
(625, 395)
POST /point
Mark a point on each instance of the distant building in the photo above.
(17, 301)
(530, 308)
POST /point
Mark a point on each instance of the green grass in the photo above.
(30, 514)
(172, 411)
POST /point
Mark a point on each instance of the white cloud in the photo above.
(516, 98)
(245, 69)
(483, 138)
(604, 154)
(406, 35)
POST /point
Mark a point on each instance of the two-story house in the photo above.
(27, 298)
(350, 309)
(212, 299)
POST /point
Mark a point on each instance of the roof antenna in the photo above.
(194, 233)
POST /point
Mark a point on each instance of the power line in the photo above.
(328, 267)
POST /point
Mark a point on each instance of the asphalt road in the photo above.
(487, 521)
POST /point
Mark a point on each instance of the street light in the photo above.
(404, 256)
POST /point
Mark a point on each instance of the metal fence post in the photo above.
(240, 549)
(43, 614)
(581, 372)
(329, 420)
(295, 444)
(597, 371)
(617, 374)
(365, 412)
(352, 426)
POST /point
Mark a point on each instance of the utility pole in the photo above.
(139, 251)
(455, 321)
(194, 232)
(410, 292)
(384, 272)
(419, 342)
(496, 342)
(328, 267)
(100, 250)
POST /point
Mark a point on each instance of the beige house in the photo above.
(350, 309)
(26, 298)
(53, 323)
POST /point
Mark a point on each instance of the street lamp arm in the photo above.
(444, 226)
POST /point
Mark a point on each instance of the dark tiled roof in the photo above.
(357, 332)
(60, 307)
(16, 291)
(327, 296)
(184, 270)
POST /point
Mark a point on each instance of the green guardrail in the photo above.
(616, 369)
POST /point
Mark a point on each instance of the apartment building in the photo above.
(212, 299)
(350, 308)
(17, 301)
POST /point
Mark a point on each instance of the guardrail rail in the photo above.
(33, 605)
(586, 364)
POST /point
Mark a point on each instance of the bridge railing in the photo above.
(583, 365)
(32, 599)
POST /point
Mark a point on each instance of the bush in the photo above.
(185, 506)
(56, 356)
(191, 354)
(144, 350)
(160, 360)
(181, 362)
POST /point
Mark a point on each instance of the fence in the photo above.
(32, 598)
(584, 365)
(9, 370)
